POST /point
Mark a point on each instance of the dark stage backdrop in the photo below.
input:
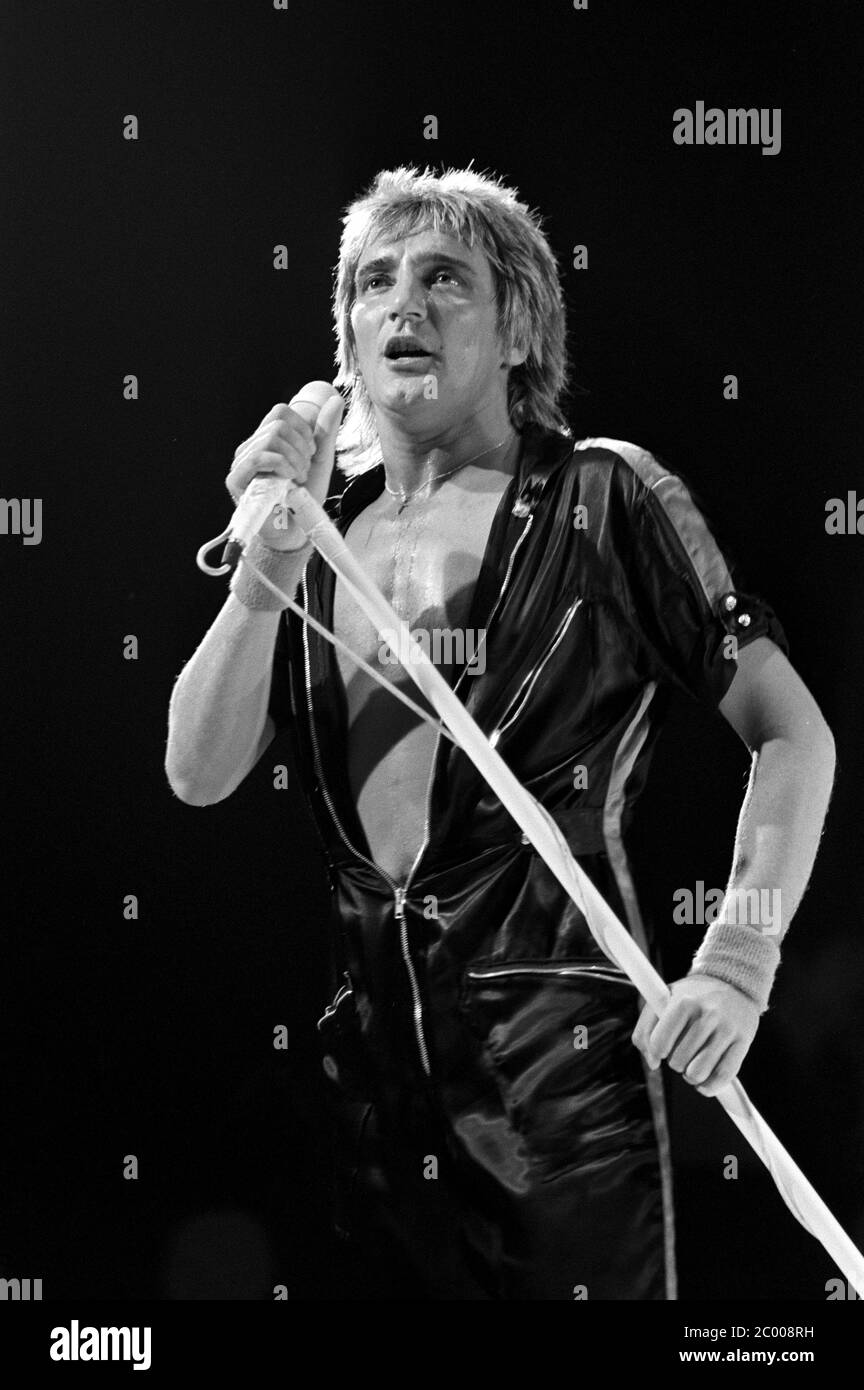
(153, 257)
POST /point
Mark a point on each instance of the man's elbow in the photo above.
(816, 750)
(192, 792)
(828, 753)
(203, 781)
(817, 736)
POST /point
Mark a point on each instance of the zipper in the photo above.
(530, 680)
(603, 972)
(400, 891)
(399, 909)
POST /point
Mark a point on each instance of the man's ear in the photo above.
(351, 349)
(351, 359)
(514, 356)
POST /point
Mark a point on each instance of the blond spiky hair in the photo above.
(478, 209)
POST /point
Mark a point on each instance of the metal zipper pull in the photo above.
(400, 893)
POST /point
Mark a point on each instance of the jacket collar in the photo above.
(543, 453)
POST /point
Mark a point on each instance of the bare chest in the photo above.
(425, 562)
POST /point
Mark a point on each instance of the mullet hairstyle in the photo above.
(477, 209)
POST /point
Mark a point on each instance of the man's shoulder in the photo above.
(618, 469)
(649, 487)
(622, 457)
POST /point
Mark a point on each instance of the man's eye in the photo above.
(373, 282)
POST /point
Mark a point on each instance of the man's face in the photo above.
(433, 289)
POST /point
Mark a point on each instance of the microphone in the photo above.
(268, 491)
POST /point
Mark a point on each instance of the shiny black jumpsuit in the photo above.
(499, 1135)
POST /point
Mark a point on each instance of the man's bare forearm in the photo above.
(217, 720)
(780, 826)
(217, 723)
(708, 1024)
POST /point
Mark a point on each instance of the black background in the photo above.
(154, 257)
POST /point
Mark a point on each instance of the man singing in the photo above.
(499, 1134)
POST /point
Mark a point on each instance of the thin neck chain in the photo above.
(405, 497)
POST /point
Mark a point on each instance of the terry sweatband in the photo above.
(282, 567)
(741, 956)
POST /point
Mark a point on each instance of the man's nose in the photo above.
(408, 297)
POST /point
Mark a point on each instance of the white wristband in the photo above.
(281, 567)
(741, 956)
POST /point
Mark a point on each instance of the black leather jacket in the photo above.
(461, 989)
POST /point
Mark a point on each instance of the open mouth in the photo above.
(406, 350)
